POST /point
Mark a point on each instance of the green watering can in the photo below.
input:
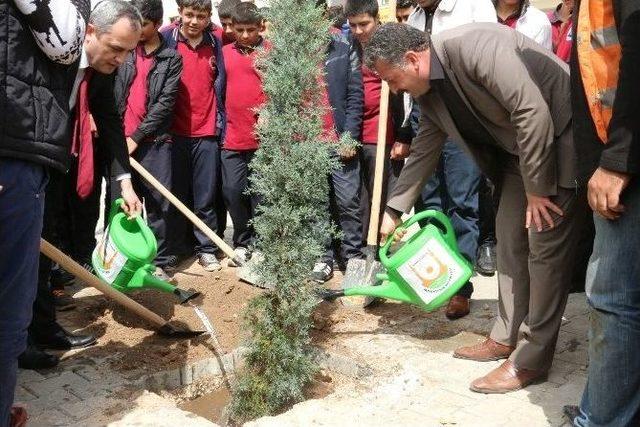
(426, 271)
(124, 256)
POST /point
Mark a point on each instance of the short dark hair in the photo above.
(226, 7)
(196, 4)
(246, 13)
(359, 7)
(151, 10)
(391, 41)
(403, 4)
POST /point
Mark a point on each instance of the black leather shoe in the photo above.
(63, 340)
(33, 358)
(486, 260)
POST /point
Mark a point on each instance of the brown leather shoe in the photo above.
(18, 417)
(486, 351)
(458, 307)
(506, 378)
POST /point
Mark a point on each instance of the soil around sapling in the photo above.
(129, 343)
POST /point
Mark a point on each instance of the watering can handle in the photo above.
(434, 216)
(116, 206)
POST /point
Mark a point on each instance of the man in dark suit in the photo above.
(518, 129)
(113, 31)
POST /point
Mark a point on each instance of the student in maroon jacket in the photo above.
(198, 125)
(244, 95)
(145, 88)
(364, 19)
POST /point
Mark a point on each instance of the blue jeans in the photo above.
(453, 190)
(612, 394)
(22, 186)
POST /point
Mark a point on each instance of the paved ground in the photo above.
(413, 381)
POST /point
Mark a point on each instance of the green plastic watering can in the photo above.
(426, 271)
(124, 257)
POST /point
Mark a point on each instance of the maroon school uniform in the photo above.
(195, 110)
(371, 112)
(244, 96)
(561, 35)
(136, 109)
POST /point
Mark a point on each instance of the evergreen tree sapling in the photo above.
(290, 172)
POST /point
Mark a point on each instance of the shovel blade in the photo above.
(169, 330)
(247, 272)
(360, 272)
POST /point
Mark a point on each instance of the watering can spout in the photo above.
(185, 296)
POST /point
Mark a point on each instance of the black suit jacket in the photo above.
(102, 105)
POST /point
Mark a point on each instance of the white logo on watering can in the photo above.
(107, 259)
(431, 271)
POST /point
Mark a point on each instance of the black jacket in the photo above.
(162, 89)
(34, 95)
(622, 153)
(344, 85)
(102, 105)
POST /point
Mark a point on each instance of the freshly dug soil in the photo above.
(132, 342)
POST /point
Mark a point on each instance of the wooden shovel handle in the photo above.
(78, 271)
(228, 250)
(378, 179)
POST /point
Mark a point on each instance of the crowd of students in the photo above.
(185, 98)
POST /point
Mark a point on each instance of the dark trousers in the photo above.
(73, 220)
(344, 205)
(155, 157)
(22, 195)
(196, 182)
(242, 206)
(453, 190)
(392, 169)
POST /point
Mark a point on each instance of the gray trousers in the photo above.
(534, 271)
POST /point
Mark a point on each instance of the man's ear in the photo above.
(157, 25)
(412, 59)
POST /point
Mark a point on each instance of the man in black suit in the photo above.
(113, 31)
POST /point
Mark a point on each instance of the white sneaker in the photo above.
(322, 272)
(209, 262)
(242, 254)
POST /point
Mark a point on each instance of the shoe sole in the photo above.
(486, 273)
(492, 359)
(537, 380)
(457, 316)
(212, 269)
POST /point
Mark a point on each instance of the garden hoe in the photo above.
(162, 326)
(246, 270)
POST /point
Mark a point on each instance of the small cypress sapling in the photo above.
(290, 172)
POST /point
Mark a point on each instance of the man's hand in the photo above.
(400, 151)
(131, 145)
(389, 223)
(537, 211)
(604, 190)
(132, 205)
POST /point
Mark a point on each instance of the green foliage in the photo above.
(290, 173)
